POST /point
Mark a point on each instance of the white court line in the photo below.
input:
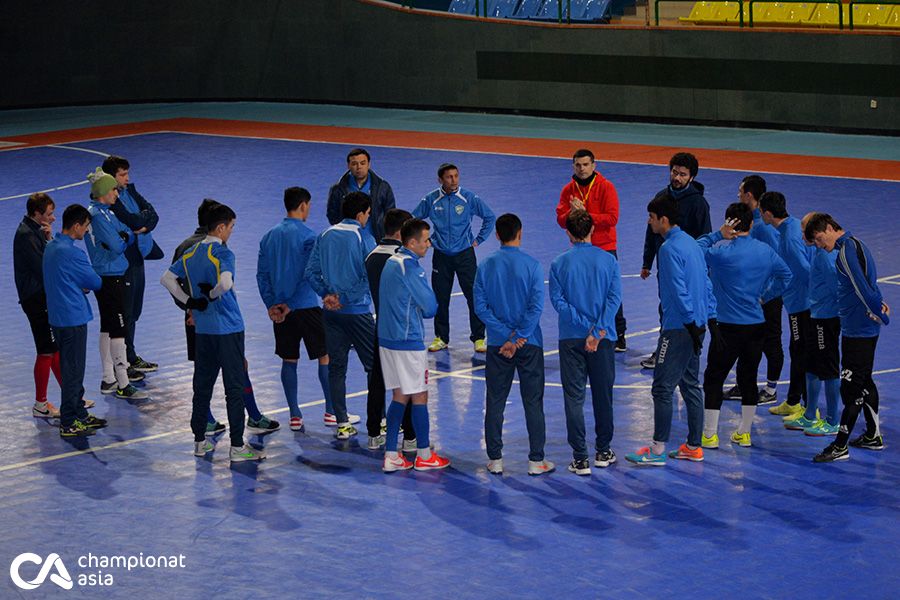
(889, 279)
(47, 191)
(62, 187)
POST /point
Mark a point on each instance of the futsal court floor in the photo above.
(318, 518)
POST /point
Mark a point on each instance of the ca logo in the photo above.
(60, 578)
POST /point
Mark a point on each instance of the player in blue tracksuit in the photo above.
(863, 312)
(106, 242)
(684, 293)
(336, 270)
(66, 274)
(209, 269)
(451, 209)
(509, 299)
(586, 291)
(745, 273)
(822, 344)
(290, 300)
(797, 255)
(405, 300)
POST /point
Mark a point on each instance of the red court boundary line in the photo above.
(737, 160)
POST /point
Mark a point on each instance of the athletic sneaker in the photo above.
(821, 428)
(331, 420)
(709, 442)
(580, 467)
(44, 410)
(784, 409)
(108, 388)
(130, 392)
(868, 443)
(831, 453)
(481, 346)
(621, 346)
(799, 424)
(685, 453)
(92, 422)
(214, 428)
(345, 431)
(144, 366)
(296, 424)
(742, 439)
(134, 375)
(375, 442)
(246, 453)
(410, 445)
(432, 463)
(437, 345)
(649, 362)
(733, 393)
(645, 457)
(604, 458)
(540, 467)
(384, 427)
(396, 464)
(76, 429)
(88, 403)
(495, 466)
(767, 397)
(201, 448)
(262, 426)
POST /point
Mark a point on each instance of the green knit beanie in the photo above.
(101, 183)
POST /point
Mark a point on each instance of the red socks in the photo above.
(42, 366)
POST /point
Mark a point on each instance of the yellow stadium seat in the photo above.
(827, 15)
(871, 15)
(795, 14)
(781, 13)
(712, 13)
(892, 21)
(701, 13)
(729, 13)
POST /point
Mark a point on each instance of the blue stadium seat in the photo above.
(462, 7)
(502, 9)
(528, 9)
(594, 10)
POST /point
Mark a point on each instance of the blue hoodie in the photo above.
(67, 273)
(406, 299)
(509, 297)
(823, 284)
(104, 244)
(281, 265)
(451, 215)
(684, 290)
(794, 251)
(763, 232)
(859, 298)
(744, 272)
(586, 291)
(337, 265)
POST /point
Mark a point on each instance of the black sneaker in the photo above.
(76, 429)
(580, 467)
(92, 422)
(620, 344)
(134, 375)
(734, 393)
(868, 443)
(144, 366)
(649, 362)
(831, 453)
(766, 397)
(604, 458)
(108, 387)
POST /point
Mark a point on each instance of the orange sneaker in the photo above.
(435, 462)
(685, 453)
(396, 464)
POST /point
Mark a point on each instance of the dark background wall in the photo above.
(61, 52)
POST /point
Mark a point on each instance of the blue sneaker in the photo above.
(799, 424)
(821, 428)
(645, 457)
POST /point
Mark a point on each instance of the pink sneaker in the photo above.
(435, 462)
(396, 464)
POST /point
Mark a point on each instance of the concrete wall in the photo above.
(355, 52)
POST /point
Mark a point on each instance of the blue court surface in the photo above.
(319, 519)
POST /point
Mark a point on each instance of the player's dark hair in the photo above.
(355, 203)
(775, 203)
(294, 197)
(75, 214)
(446, 167)
(817, 224)
(581, 153)
(203, 210)
(218, 215)
(754, 185)
(663, 205)
(579, 224)
(112, 164)
(357, 152)
(412, 229)
(507, 227)
(38, 203)
(394, 220)
(686, 160)
(741, 212)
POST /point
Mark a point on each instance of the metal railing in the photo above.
(739, 2)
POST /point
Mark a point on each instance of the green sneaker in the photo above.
(76, 429)
(246, 453)
(742, 439)
(710, 442)
(481, 345)
(144, 366)
(437, 345)
(799, 424)
(345, 431)
(821, 428)
(784, 409)
(263, 425)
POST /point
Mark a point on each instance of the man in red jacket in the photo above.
(589, 191)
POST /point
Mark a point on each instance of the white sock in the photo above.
(710, 422)
(119, 359)
(106, 359)
(423, 453)
(657, 447)
(747, 414)
(771, 386)
(391, 454)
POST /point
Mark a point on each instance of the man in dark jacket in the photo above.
(693, 213)
(360, 178)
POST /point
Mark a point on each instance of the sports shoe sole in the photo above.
(646, 464)
(605, 463)
(581, 472)
(431, 467)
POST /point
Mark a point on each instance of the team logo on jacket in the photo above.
(459, 209)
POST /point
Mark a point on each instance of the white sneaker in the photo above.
(44, 410)
(396, 464)
(331, 420)
(376, 442)
(495, 466)
(245, 453)
(201, 448)
(539, 467)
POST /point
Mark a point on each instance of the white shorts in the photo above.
(405, 369)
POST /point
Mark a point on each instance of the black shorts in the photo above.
(36, 310)
(823, 348)
(301, 324)
(111, 305)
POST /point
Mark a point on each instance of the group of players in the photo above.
(318, 289)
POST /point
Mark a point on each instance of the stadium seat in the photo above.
(462, 7)
(702, 12)
(892, 21)
(502, 9)
(715, 13)
(596, 10)
(528, 9)
(871, 15)
(827, 15)
(781, 13)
